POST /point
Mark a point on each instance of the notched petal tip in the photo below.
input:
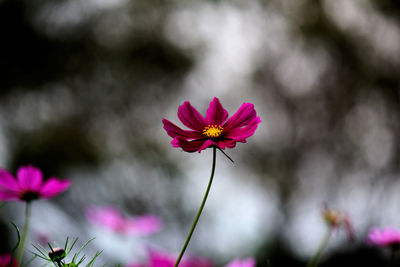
(245, 114)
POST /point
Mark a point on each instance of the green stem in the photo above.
(24, 233)
(315, 259)
(2, 204)
(393, 252)
(200, 209)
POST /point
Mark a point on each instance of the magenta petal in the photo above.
(29, 178)
(384, 237)
(192, 146)
(9, 196)
(240, 134)
(53, 187)
(226, 143)
(108, 217)
(162, 259)
(188, 146)
(7, 181)
(216, 114)
(250, 262)
(146, 224)
(175, 131)
(159, 259)
(207, 144)
(190, 117)
(7, 261)
(242, 117)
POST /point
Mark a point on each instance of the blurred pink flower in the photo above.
(162, 259)
(249, 262)
(113, 219)
(29, 185)
(385, 237)
(213, 130)
(5, 261)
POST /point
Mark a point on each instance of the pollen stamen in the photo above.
(213, 131)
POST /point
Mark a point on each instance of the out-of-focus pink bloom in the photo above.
(249, 262)
(113, 219)
(41, 238)
(162, 259)
(29, 185)
(337, 219)
(215, 129)
(385, 237)
(5, 261)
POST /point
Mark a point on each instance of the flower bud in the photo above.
(57, 254)
(337, 219)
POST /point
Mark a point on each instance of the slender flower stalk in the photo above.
(393, 254)
(335, 220)
(324, 242)
(21, 248)
(200, 209)
(215, 130)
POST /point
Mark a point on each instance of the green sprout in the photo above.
(57, 255)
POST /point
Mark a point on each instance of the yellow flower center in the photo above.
(213, 131)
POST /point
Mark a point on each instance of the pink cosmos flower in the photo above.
(386, 237)
(29, 185)
(162, 259)
(213, 130)
(5, 261)
(113, 219)
(249, 262)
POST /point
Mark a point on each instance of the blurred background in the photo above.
(85, 83)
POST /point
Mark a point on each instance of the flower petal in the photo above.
(190, 117)
(175, 131)
(146, 224)
(207, 144)
(107, 216)
(7, 260)
(240, 134)
(242, 117)
(249, 262)
(387, 236)
(7, 181)
(192, 146)
(161, 259)
(216, 114)
(226, 143)
(9, 196)
(53, 187)
(29, 178)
